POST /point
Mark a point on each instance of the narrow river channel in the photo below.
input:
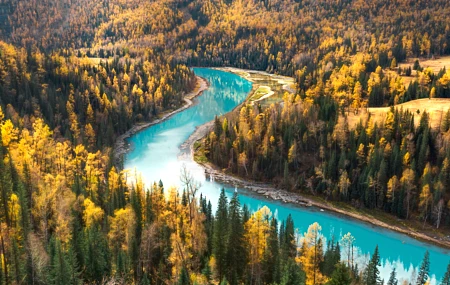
(156, 155)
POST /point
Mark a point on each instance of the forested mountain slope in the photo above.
(75, 74)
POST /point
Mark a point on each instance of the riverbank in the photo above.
(121, 146)
(271, 192)
(269, 88)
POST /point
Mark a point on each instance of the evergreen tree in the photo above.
(245, 214)
(331, 258)
(209, 226)
(145, 280)
(372, 273)
(184, 277)
(63, 267)
(78, 242)
(271, 261)
(98, 261)
(220, 235)
(207, 273)
(422, 277)
(393, 278)
(292, 274)
(446, 278)
(341, 275)
(288, 244)
(136, 204)
(236, 250)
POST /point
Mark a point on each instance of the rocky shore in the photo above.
(284, 196)
(271, 192)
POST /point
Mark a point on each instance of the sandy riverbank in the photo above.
(121, 146)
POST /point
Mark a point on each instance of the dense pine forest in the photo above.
(76, 74)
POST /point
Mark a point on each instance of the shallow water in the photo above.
(156, 155)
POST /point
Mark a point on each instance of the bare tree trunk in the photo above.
(438, 209)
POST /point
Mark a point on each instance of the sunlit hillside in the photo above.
(78, 76)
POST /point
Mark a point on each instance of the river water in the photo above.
(156, 155)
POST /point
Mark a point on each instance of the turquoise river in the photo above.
(156, 155)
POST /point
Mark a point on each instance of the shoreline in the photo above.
(246, 73)
(295, 199)
(258, 188)
(298, 200)
(121, 146)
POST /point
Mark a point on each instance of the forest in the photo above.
(76, 74)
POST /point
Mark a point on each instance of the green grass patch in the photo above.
(199, 153)
(260, 92)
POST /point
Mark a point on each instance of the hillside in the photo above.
(437, 109)
(75, 75)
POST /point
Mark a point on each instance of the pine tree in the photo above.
(393, 278)
(372, 274)
(293, 274)
(446, 278)
(287, 239)
(331, 258)
(236, 250)
(245, 214)
(63, 267)
(422, 277)
(207, 272)
(341, 275)
(221, 234)
(224, 282)
(136, 204)
(184, 277)
(98, 261)
(271, 261)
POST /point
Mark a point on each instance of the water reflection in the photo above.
(155, 155)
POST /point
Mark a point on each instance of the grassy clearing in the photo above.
(261, 92)
(436, 108)
(434, 64)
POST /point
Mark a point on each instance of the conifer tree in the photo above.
(331, 258)
(63, 267)
(341, 275)
(372, 273)
(220, 238)
(184, 277)
(236, 250)
(136, 204)
(446, 278)
(271, 261)
(98, 260)
(424, 269)
(393, 278)
(287, 238)
(292, 274)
